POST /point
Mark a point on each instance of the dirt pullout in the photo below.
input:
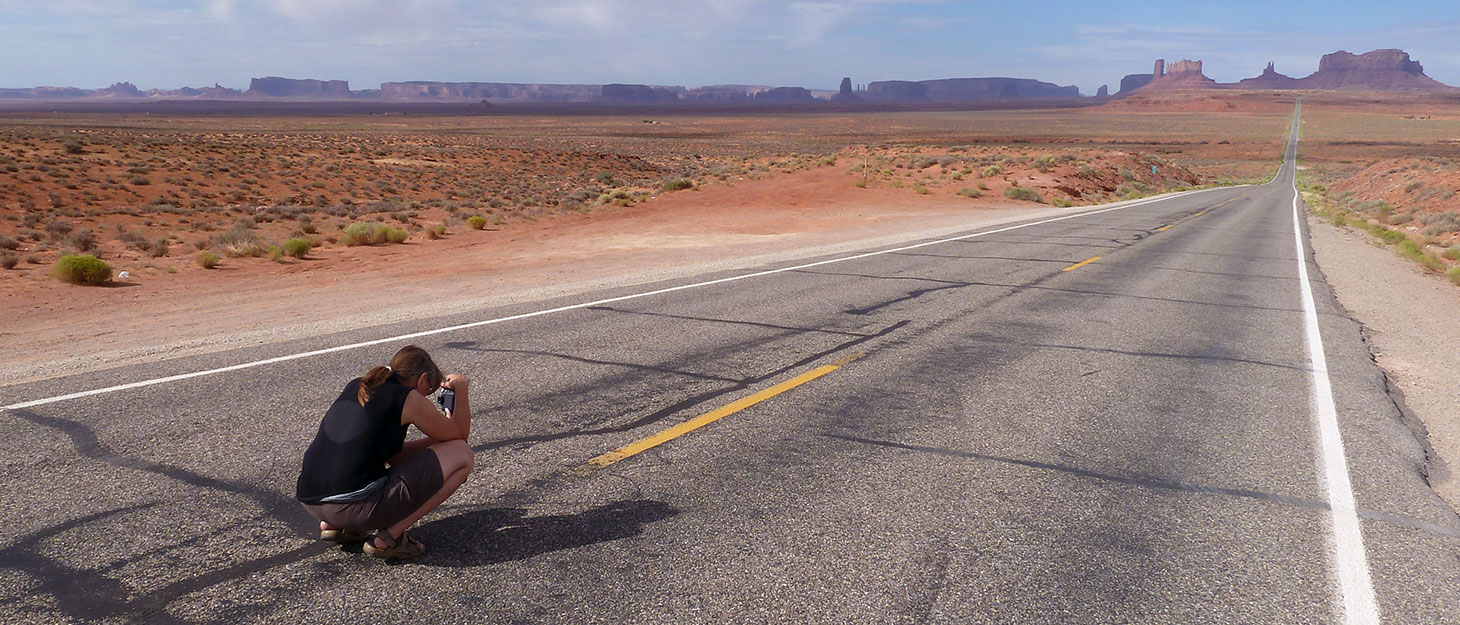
(1413, 337)
(55, 329)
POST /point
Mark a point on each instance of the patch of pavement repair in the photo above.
(1410, 323)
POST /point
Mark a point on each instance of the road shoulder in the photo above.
(1409, 321)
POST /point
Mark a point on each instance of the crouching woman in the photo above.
(360, 475)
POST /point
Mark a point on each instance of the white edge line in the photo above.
(1350, 562)
(538, 313)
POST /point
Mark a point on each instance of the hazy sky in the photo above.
(172, 43)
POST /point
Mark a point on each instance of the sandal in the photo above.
(403, 548)
(344, 535)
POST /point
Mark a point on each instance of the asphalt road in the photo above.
(1010, 436)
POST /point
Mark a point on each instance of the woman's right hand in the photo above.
(456, 382)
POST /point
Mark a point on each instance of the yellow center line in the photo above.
(1082, 263)
(1164, 228)
(1199, 214)
(703, 420)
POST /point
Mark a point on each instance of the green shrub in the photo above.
(677, 184)
(1392, 237)
(1062, 202)
(992, 170)
(82, 269)
(1453, 253)
(73, 145)
(1339, 220)
(275, 253)
(1021, 193)
(921, 190)
(970, 193)
(208, 260)
(477, 221)
(369, 233)
(1409, 249)
(297, 248)
(1454, 275)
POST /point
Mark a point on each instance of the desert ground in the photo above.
(503, 208)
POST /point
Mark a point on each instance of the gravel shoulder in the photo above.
(1410, 322)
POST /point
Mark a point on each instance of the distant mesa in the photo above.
(1103, 91)
(1131, 82)
(629, 94)
(966, 89)
(1385, 70)
(722, 93)
(121, 90)
(784, 95)
(491, 91)
(845, 93)
(277, 87)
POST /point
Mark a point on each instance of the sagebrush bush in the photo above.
(82, 240)
(677, 184)
(969, 192)
(1021, 193)
(1453, 253)
(240, 241)
(9, 261)
(477, 221)
(82, 269)
(369, 233)
(992, 170)
(208, 260)
(297, 248)
(1454, 275)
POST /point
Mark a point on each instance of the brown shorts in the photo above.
(407, 487)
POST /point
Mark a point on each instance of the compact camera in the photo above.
(447, 399)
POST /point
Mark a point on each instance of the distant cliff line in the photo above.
(274, 87)
(1377, 70)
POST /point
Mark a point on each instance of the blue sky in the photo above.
(170, 43)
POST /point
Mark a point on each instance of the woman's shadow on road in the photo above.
(494, 535)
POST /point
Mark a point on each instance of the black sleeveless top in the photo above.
(353, 442)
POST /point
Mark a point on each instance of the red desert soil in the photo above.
(55, 328)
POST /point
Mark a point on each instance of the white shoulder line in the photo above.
(464, 326)
(1350, 563)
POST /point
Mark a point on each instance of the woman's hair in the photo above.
(407, 365)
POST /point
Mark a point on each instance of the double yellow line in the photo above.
(641, 446)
